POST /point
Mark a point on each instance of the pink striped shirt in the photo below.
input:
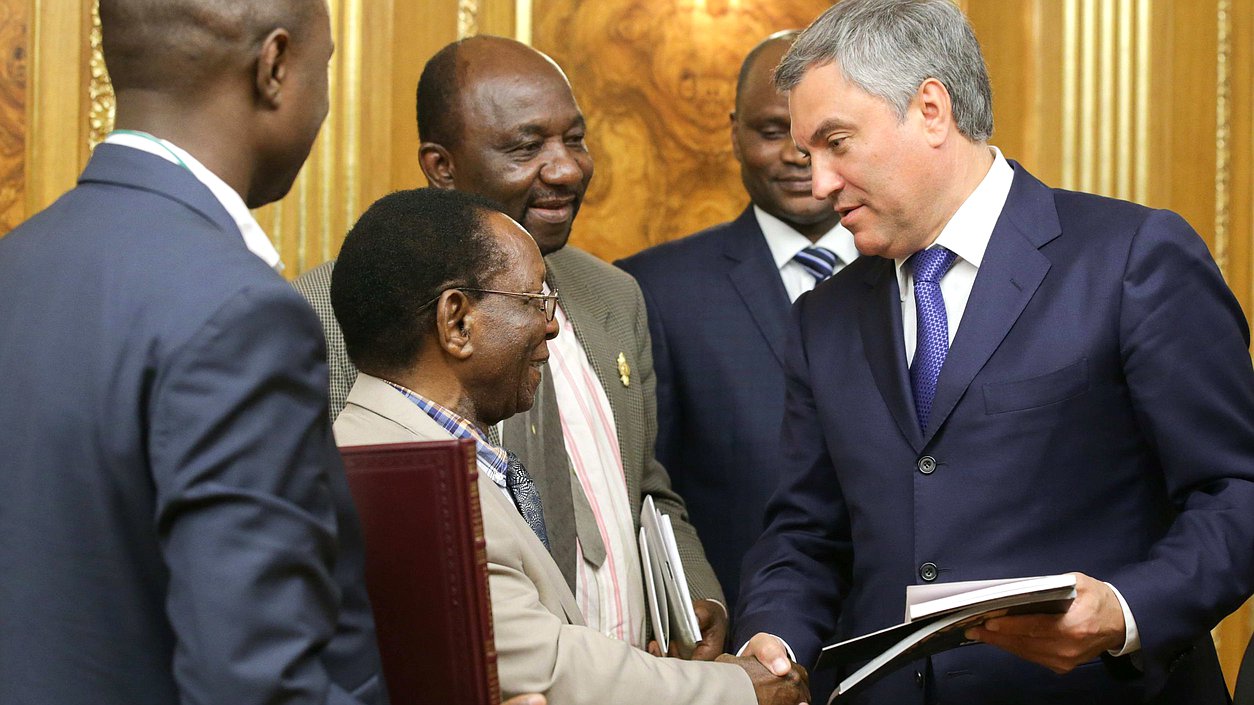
(611, 595)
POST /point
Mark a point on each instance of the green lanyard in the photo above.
(154, 140)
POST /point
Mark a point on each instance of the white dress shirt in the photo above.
(255, 238)
(785, 242)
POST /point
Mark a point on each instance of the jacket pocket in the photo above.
(1050, 388)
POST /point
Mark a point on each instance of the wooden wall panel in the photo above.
(656, 80)
(13, 47)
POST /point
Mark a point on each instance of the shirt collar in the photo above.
(785, 242)
(255, 238)
(967, 233)
(494, 459)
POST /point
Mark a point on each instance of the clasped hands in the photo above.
(780, 684)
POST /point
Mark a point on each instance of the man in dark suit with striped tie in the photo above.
(718, 303)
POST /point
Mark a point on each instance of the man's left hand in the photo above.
(1060, 642)
(712, 617)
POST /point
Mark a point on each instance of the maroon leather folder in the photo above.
(426, 570)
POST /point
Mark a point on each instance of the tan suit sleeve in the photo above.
(540, 651)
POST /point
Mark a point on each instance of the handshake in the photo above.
(776, 679)
(786, 684)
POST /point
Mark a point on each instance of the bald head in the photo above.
(499, 119)
(771, 50)
(465, 65)
(177, 46)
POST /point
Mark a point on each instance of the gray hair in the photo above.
(888, 48)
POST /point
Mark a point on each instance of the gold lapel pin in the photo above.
(624, 370)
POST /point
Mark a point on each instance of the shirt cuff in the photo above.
(791, 656)
(720, 604)
(1132, 637)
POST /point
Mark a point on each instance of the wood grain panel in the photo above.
(656, 80)
(13, 18)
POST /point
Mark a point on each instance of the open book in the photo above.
(666, 586)
(936, 616)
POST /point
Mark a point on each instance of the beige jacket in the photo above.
(541, 641)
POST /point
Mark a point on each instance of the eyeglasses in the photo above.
(548, 302)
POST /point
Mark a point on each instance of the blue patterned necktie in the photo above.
(523, 490)
(932, 345)
(820, 262)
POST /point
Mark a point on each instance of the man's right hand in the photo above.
(770, 689)
(770, 651)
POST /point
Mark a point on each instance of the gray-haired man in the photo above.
(1014, 381)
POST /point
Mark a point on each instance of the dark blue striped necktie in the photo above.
(820, 262)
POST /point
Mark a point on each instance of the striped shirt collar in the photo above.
(494, 460)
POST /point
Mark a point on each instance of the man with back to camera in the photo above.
(499, 119)
(718, 310)
(448, 346)
(1016, 381)
(177, 526)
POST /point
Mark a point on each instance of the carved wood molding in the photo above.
(467, 18)
(1223, 118)
(101, 102)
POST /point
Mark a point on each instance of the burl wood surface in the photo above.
(12, 112)
(656, 80)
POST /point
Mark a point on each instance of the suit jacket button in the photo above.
(928, 571)
(927, 465)
(918, 678)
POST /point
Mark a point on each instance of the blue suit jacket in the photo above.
(175, 525)
(718, 315)
(1095, 414)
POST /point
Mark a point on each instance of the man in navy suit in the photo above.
(175, 523)
(718, 311)
(1017, 381)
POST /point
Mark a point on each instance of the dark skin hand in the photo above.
(770, 689)
(713, 620)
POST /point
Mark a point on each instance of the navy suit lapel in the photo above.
(132, 168)
(879, 319)
(756, 278)
(1012, 270)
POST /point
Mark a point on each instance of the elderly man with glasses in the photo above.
(449, 346)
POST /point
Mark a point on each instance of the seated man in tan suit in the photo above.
(441, 300)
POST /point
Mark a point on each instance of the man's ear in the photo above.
(437, 164)
(272, 67)
(454, 320)
(936, 111)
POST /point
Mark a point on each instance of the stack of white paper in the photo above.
(666, 586)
